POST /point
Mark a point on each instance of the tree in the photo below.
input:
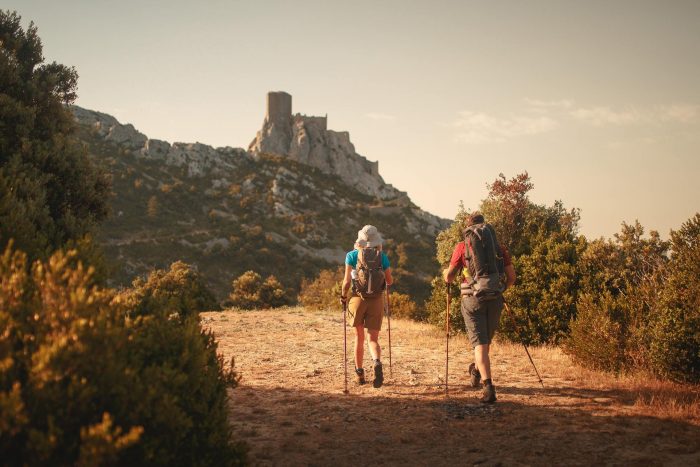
(50, 193)
(506, 209)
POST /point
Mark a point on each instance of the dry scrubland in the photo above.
(291, 410)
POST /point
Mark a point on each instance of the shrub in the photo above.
(597, 338)
(616, 299)
(672, 329)
(402, 306)
(324, 291)
(251, 292)
(82, 382)
(180, 289)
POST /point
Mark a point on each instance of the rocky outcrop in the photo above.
(109, 128)
(307, 140)
(196, 158)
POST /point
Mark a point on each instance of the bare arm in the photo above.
(346, 280)
(387, 276)
(450, 273)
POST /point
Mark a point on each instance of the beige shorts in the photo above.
(368, 312)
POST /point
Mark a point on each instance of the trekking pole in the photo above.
(388, 320)
(345, 346)
(447, 336)
(512, 317)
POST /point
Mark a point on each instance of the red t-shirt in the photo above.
(457, 260)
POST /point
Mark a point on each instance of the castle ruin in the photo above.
(279, 107)
(308, 140)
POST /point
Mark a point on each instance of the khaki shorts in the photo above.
(481, 319)
(368, 312)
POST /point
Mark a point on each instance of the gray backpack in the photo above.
(484, 262)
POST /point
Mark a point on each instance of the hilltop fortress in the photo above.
(308, 140)
(305, 139)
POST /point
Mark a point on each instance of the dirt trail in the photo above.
(291, 410)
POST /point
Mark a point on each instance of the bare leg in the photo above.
(374, 348)
(359, 345)
(483, 363)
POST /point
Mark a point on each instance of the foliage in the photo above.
(506, 208)
(323, 292)
(181, 289)
(669, 334)
(436, 306)
(50, 193)
(617, 289)
(545, 299)
(81, 382)
(597, 340)
(641, 306)
(251, 292)
(401, 306)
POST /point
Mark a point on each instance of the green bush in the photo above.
(181, 289)
(402, 306)
(251, 292)
(640, 304)
(323, 292)
(597, 339)
(672, 329)
(86, 380)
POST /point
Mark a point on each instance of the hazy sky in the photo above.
(598, 100)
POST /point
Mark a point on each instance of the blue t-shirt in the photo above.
(351, 259)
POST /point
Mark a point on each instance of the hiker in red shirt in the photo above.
(482, 299)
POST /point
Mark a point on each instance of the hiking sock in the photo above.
(487, 381)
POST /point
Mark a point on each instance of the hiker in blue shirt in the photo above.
(368, 271)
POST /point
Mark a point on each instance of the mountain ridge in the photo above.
(227, 210)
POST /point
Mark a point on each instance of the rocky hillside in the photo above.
(228, 210)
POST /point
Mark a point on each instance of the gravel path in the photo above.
(291, 410)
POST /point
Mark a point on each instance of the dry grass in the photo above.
(648, 395)
(291, 410)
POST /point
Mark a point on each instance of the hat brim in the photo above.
(368, 243)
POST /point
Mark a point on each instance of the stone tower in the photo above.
(276, 133)
(279, 107)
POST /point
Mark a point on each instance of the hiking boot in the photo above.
(360, 375)
(378, 375)
(489, 395)
(474, 375)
